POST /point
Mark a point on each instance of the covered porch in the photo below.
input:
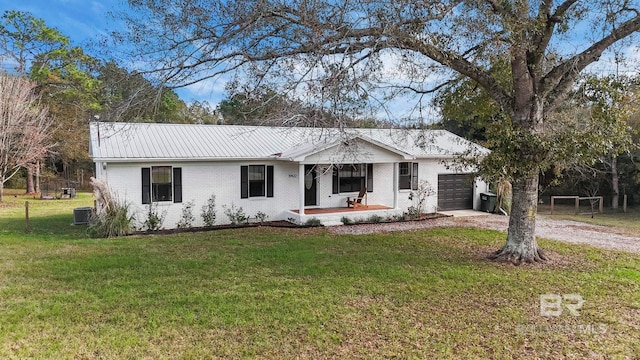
(322, 198)
(331, 174)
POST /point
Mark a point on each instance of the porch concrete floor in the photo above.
(318, 211)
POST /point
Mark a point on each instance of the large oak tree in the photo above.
(338, 51)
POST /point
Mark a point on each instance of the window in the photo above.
(408, 176)
(352, 178)
(256, 181)
(161, 183)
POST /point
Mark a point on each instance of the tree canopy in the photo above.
(24, 37)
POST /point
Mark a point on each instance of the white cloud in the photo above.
(210, 90)
(624, 62)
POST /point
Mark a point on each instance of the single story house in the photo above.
(293, 174)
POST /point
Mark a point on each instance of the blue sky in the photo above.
(84, 21)
(80, 20)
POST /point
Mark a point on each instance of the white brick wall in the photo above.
(200, 180)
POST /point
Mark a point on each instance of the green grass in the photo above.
(46, 217)
(285, 293)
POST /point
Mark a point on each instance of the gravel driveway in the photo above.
(562, 230)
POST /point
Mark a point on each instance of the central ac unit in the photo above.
(81, 215)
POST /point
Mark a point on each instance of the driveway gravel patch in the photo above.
(562, 230)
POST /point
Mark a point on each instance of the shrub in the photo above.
(187, 218)
(208, 211)
(396, 217)
(235, 215)
(419, 199)
(112, 218)
(375, 219)
(413, 212)
(115, 222)
(504, 193)
(261, 217)
(313, 222)
(154, 220)
(346, 221)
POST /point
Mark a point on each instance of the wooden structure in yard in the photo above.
(577, 202)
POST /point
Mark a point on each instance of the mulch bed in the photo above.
(276, 224)
(423, 217)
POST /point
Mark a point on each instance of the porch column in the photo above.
(301, 189)
(395, 185)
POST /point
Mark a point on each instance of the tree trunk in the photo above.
(527, 115)
(615, 183)
(1, 187)
(521, 243)
(37, 178)
(30, 187)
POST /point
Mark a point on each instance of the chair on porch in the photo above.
(357, 202)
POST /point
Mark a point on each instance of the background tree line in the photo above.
(77, 88)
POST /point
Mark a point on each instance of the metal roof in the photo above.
(150, 141)
(300, 152)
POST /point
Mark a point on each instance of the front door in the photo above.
(310, 186)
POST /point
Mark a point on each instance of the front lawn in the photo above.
(286, 293)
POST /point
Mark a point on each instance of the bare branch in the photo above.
(23, 126)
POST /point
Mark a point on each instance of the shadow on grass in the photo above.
(60, 225)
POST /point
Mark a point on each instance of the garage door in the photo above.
(455, 191)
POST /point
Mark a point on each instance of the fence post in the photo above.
(624, 203)
(601, 204)
(577, 205)
(26, 216)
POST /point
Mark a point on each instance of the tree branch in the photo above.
(541, 42)
(461, 65)
(561, 77)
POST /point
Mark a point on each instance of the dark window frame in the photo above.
(257, 181)
(350, 178)
(156, 188)
(260, 187)
(161, 190)
(408, 176)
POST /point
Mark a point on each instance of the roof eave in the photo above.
(218, 159)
